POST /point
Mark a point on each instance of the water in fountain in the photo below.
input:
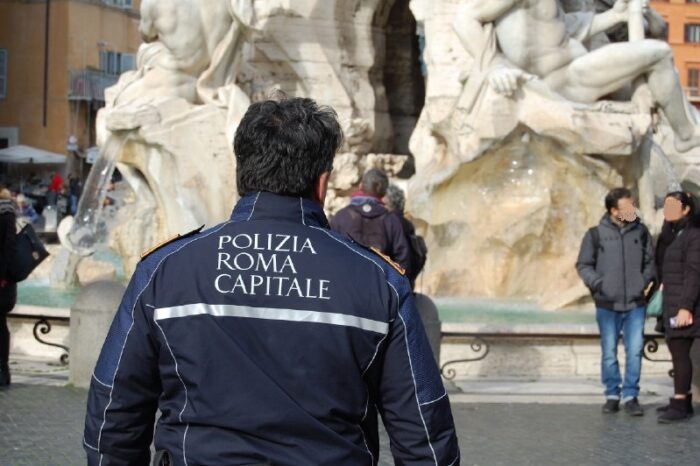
(88, 227)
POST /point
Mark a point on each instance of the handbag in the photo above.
(29, 253)
(655, 307)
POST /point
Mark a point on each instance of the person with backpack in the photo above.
(395, 200)
(367, 221)
(616, 263)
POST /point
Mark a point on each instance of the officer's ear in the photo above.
(321, 188)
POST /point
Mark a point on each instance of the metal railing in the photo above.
(43, 326)
(480, 346)
(90, 84)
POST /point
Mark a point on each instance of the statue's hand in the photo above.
(506, 81)
(622, 7)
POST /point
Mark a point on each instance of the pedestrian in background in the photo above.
(395, 200)
(25, 210)
(54, 188)
(679, 272)
(616, 262)
(367, 221)
(8, 289)
(75, 187)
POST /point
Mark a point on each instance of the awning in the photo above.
(27, 154)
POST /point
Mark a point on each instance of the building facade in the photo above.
(683, 19)
(56, 58)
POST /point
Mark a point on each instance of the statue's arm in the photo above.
(605, 21)
(491, 10)
(471, 17)
(470, 31)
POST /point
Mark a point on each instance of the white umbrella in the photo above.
(26, 154)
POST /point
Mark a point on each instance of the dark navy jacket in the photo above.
(267, 338)
(367, 221)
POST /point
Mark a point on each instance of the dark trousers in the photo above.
(682, 365)
(8, 297)
(4, 341)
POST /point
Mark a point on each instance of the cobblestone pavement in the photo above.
(42, 425)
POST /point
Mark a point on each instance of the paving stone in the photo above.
(42, 425)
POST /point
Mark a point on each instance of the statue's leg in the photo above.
(605, 70)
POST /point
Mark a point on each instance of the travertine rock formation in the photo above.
(511, 164)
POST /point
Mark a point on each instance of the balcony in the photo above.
(89, 85)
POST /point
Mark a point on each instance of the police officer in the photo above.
(269, 339)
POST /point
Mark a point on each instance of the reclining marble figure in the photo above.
(520, 40)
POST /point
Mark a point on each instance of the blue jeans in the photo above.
(631, 325)
(73, 204)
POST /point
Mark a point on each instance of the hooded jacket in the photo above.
(368, 222)
(620, 268)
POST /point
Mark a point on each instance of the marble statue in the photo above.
(200, 66)
(516, 117)
(190, 50)
(556, 54)
(532, 114)
(175, 117)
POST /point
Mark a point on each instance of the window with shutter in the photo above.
(692, 33)
(693, 81)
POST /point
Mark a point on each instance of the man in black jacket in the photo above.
(367, 221)
(8, 289)
(616, 262)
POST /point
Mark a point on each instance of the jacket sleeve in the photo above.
(649, 260)
(586, 262)
(412, 400)
(339, 222)
(691, 273)
(9, 243)
(401, 251)
(125, 387)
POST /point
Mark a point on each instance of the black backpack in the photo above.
(419, 254)
(368, 231)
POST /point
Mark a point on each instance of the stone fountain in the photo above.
(511, 160)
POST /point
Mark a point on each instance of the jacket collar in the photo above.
(7, 206)
(269, 206)
(607, 222)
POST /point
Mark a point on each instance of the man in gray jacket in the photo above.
(616, 262)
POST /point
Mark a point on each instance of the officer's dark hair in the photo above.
(375, 182)
(614, 196)
(283, 146)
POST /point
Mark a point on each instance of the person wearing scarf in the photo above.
(368, 222)
(678, 257)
